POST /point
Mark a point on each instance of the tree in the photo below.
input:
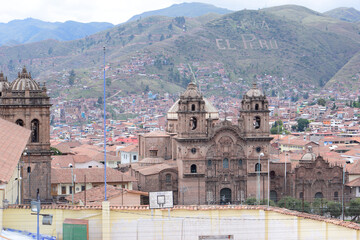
(100, 100)
(71, 79)
(294, 204)
(170, 27)
(319, 206)
(306, 95)
(321, 101)
(162, 37)
(302, 124)
(277, 127)
(334, 209)
(354, 208)
(250, 201)
(108, 82)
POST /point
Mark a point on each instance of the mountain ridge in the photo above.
(194, 9)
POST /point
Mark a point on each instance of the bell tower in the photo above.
(255, 129)
(27, 104)
(191, 114)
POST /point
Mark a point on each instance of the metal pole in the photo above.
(38, 228)
(258, 180)
(268, 182)
(38, 213)
(104, 128)
(342, 202)
(72, 186)
(258, 177)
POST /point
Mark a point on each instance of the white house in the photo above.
(129, 154)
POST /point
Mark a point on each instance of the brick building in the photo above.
(27, 104)
(216, 161)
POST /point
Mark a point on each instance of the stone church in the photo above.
(27, 104)
(204, 160)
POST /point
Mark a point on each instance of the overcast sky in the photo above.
(118, 11)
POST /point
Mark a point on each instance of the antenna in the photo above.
(104, 128)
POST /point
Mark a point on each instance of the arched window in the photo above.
(193, 168)
(168, 178)
(35, 130)
(272, 174)
(319, 195)
(20, 122)
(226, 163)
(193, 107)
(336, 196)
(257, 122)
(258, 167)
(240, 162)
(301, 195)
(29, 169)
(256, 107)
(193, 123)
(209, 163)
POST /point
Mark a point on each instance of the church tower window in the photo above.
(193, 107)
(35, 130)
(226, 163)
(256, 107)
(193, 168)
(20, 122)
(257, 122)
(193, 123)
(257, 167)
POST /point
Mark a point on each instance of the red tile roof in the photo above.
(93, 175)
(96, 194)
(13, 140)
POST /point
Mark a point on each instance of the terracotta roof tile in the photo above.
(93, 175)
(13, 140)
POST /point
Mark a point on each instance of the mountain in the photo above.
(279, 50)
(33, 30)
(193, 9)
(345, 14)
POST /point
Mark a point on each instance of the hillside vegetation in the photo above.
(299, 46)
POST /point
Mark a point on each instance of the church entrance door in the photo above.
(225, 196)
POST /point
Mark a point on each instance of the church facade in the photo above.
(217, 162)
(27, 104)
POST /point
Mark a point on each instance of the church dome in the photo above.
(24, 82)
(191, 91)
(254, 92)
(309, 156)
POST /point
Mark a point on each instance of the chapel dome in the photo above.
(309, 156)
(254, 92)
(191, 91)
(24, 82)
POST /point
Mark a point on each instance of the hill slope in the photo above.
(345, 14)
(193, 9)
(33, 30)
(154, 53)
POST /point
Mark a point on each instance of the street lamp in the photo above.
(343, 185)
(35, 207)
(72, 183)
(258, 176)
